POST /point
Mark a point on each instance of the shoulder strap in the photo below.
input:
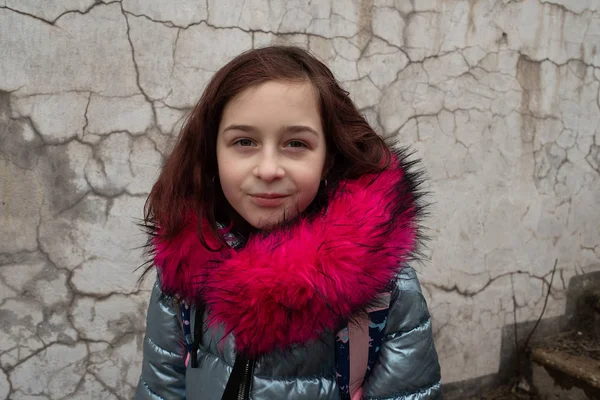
(377, 324)
(192, 342)
(198, 325)
(357, 348)
(184, 316)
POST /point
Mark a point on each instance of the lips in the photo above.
(268, 199)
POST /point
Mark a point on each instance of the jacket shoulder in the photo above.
(408, 307)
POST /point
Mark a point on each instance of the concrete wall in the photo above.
(501, 99)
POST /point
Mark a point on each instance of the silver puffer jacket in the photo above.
(407, 367)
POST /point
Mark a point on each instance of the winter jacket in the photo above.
(408, 367)
(271, 308)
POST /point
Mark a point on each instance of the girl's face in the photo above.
(271, 151)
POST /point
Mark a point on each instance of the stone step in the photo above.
(567, 366)
(557, 366)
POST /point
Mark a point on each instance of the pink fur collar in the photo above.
(298, 281)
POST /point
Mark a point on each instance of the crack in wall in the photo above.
(137, 70)
(473, 293)
(484, 81)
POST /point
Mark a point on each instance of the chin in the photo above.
(267, 224)
(271, 222)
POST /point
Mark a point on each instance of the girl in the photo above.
(280, 226)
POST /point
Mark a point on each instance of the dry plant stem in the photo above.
(523, 348)
(543, 309)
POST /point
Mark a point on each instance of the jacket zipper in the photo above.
(244, 383)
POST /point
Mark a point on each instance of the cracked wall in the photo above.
(499, 97)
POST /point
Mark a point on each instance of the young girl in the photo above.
(281, 225)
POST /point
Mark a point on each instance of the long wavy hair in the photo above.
(189, 180)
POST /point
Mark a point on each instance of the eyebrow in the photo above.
(287, 129)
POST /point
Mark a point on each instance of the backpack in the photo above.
(363, 336)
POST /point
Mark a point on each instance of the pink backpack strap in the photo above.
(360, 346)
(358, 339)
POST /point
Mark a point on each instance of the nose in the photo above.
(268, 167)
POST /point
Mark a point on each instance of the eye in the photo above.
(243, 142)
(296, 144)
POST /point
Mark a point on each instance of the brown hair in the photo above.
(189, 178)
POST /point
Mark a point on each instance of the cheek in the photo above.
(229, 180)
(226, 166)
(308, 191)
(228, 183)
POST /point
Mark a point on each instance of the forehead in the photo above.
(284, 102)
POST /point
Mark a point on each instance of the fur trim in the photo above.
(290, 285)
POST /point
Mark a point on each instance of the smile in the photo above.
(268, 199)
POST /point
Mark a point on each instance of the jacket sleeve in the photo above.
(163, 367)
(407, 367)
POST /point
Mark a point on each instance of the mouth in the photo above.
(268, 200)
(269, 195)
